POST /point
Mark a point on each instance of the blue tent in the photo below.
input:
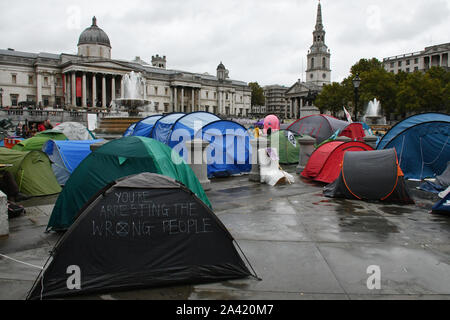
(422, 143)
(163, 127)
(129, 130)
(229, 150)
(185, 128)
(66, 155)
(442, 206)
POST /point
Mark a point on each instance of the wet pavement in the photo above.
(302, 245)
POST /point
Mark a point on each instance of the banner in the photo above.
(348, 116)
(78, 87)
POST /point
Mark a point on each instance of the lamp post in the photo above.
(356, 83)
(1, 98)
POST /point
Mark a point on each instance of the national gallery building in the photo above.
(91, 79)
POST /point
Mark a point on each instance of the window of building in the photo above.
(416, 60)
(416, 68)
(31, 98)
(166, 107)
(226, 96)
(166, 91)
(14, 99)
(324, 75)
(156, 90)
(324, 63)
(392, 64)
(45, 100)
(58, 81)
(45, 81)
(399, 63)
(407, 70)
(14, 78)
(312, 62)
(311, 76)
(30, 79)
(215, 95)
(407, 62)
(58, 101)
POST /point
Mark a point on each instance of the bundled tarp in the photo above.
(141, 231)
(324, 165)
(65, 156)
(372, 175)
(37, 142)
(442, 206)
(74, 131)
(229, 150)
(116, 159)
(287, 145)
(320, 127)
(32, 171)
(422, 143)
(142, 128)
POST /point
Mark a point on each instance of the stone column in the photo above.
(371, 141)
(145, 90)
(122, 93)
(257, 144)
(296, 108)
(306, 149)
(175, 105)
(113, 88)
(74, 90)
(94, 90)
(103, 91)
(197, 159)
(38, 87)
(182, 99)
(83, 92)
(67, 87)
(4, 223)
(193, 100)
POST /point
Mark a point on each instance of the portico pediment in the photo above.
(98, 66)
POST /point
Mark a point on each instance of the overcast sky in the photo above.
(257, 40)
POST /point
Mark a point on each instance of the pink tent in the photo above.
(272, 122)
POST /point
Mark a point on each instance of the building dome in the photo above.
(94, 35)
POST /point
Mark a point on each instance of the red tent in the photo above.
(324, 165)
(354, 131)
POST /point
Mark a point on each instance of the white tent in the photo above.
(74, 131)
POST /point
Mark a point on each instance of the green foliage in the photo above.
(400, 93)
(258, 98)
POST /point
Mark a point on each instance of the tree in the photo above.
(332, 98)
(258, 98)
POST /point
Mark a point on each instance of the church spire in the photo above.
(319, 24)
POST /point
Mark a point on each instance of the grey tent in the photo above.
(141, 231)
(444, 178)
(371, 175)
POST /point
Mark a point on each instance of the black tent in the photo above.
(371, 175)
(141, 231)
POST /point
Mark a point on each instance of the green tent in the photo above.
(38, 141)
(116, 159)
(288, 147)
(32, 171)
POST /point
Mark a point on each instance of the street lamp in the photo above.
(356, 83)
(1, 97)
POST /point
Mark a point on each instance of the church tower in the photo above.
(318, 71)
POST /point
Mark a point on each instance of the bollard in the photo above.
(343, 139)
(257, 144)
(197, 159)
(4, 223)
(306, 149)
(371, 141)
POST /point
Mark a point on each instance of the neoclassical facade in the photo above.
(91, 79)
(301, 95)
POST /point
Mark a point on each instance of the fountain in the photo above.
(373, 114)
(133, 101)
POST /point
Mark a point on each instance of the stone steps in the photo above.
(115, 125)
